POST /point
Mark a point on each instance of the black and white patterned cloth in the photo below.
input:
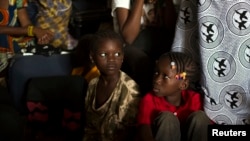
(217, 32)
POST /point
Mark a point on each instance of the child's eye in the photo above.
(103, 54)
(156, 73)
(117, 54)
(166, 77)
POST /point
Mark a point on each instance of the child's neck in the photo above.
(174, 99)
(110, 79)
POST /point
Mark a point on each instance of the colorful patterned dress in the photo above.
(55, 15)
(8, 44)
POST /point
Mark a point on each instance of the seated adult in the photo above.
(147, 27)
(17, 31)
(146, 24)
(55, 15)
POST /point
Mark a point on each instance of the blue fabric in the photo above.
(32, 10)
(23, 68)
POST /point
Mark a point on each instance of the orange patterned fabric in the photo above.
(92, 73)
(8, 44)
(4, 20)
(4, 14)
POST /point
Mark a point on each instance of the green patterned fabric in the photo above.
(116, 114)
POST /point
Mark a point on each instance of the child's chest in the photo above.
(103, 93)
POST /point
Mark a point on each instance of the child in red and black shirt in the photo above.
(173, 110)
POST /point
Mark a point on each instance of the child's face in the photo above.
(108, 57)
(165, 82)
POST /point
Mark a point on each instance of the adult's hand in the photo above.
(44, 36)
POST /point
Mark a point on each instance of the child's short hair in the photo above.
(101, 36)
(185, 63)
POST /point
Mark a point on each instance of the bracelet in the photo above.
(30, 30)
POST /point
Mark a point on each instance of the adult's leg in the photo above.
(196, 127)
(167, 127)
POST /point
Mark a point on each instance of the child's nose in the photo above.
(111, 57)
(157, 79)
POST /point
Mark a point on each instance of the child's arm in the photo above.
(127, 117)
(145, 112)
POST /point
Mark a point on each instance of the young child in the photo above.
(112, 99)
(172, 111)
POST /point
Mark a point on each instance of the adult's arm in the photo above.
(169, 15)
(129, 21)
(23, 17)
(43, 35)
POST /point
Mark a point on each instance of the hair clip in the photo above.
(181, 76)
(173, 66)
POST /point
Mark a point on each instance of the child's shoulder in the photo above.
(127, 79)
(150, 96)
(130, 83)
(94, 81)
(191, 95)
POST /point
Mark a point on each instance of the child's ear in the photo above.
(184, 84)
(91, 58)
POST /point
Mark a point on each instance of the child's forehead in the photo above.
(165, 63)
(165, 60)
(108, 43)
